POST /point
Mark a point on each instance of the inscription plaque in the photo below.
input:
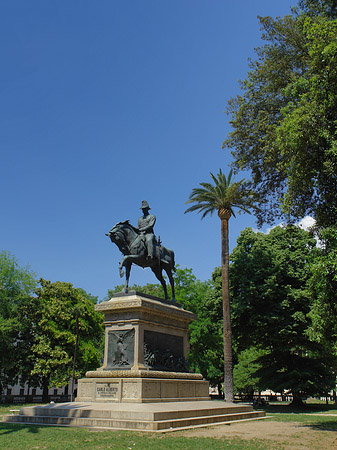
(107, 390)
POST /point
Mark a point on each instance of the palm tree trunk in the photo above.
(227, 330)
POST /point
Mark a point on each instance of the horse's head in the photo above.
(116, 233)
(119, 235)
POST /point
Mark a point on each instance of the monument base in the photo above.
(145, 356)
(152, 417)
(131, 386)
(139, 386)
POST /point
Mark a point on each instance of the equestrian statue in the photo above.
(141, 247)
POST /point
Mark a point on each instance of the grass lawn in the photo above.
(318, 416)
(26, 438)
(315, 413)
(33, 437)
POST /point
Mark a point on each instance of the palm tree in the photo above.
(222, 197)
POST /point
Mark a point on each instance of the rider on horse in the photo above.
(145, 227)
(140, 246)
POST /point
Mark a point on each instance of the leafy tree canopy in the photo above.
(60, 303)
(323, 284)
(206, 334)
(246, 381)
(16, 286)
(38, 333)
(270, 305)
(284, 122)
(15, 283)
(326, 8)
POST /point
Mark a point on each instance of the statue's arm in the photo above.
(152, 221)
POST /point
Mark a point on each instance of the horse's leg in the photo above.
(158, 273)
(128, 259)
(121, 265)
(127, 263)
(127, 276)
(170, 276)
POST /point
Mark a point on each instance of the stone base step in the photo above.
(136, 417)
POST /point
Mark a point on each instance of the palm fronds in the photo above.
(222, 194)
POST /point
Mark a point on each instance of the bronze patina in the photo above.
(140, 246)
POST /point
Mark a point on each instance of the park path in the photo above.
(290, 435)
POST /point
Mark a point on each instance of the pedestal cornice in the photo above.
(137, 301)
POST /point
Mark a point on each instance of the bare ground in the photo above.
(290, 435)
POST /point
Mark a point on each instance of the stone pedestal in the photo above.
(146, 346)
(142, 387)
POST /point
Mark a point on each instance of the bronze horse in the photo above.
(131, 243)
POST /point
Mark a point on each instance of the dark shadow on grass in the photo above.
(283, 408)
(323, 426)
(8, 428)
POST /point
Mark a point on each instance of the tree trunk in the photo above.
(227, 330)
(297, 401)
(45, 390)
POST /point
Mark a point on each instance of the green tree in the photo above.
(284, 120)
(285, 133)
(206, 334)
(17, 284)
(222, 197)
(323, 284)
(326, 8)
(246, 381)
(67, 325)
(270, 306)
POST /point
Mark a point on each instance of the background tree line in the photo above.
(277, 333)
(43, 325)
(284, 133)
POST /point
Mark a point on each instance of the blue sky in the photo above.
(104, 104)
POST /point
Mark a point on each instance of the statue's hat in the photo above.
(145, 205)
